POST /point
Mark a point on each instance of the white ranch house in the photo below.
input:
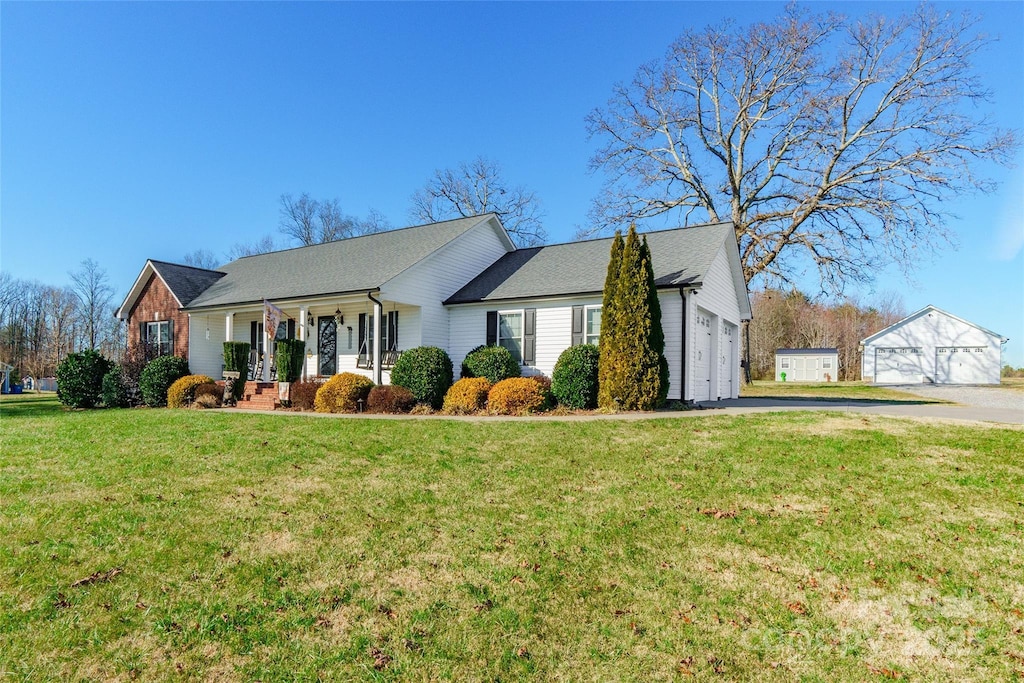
(455, 285)
(933, 346)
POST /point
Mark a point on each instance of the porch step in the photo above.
(260, 396)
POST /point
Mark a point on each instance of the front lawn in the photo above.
(204, 545)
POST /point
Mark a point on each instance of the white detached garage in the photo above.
(933, 346)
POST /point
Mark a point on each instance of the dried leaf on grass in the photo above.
(98, 577)
(718, 514)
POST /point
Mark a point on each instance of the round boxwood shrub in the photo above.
(426, 371)
(115, 389)
(464, 371)
(574, 381)
(158, 376)
(468, 395)
(183, 391)
(341, 393)
(388, 398)
(494, 363)
(80, 379)
(516, 396)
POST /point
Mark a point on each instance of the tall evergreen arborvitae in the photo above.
(657, 333)
(607, 344)
(632, 365)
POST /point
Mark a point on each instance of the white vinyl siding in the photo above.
(932, 334)
(438, 276)
(206, 356)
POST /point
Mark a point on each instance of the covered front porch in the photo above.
(340, 335)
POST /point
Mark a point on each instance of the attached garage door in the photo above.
(702, 357)
(728, 361)
(961, 365)
(902, 365)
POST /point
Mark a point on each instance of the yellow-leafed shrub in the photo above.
(516, 396)
(468, 395)
(183, 391)
(341, 393)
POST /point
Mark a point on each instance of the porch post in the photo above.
(378, 310)
(229, 327)
(303, 313)
(267, 341)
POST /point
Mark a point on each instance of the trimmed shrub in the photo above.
(341, 393)
(206, 401)
(426, 371)
(183, 391)
(574, 381)
(516, 396)
(158, 376)
(544, 382)
(468, 395)
(494, 363)
(236, 359)
(303, 394)
(115, 389)
(212, 391)
(80, 379)
(390, 399)
(464, 371)
(133, 362)
(290, 355)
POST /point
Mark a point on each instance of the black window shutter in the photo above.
(291, 328)
(170, 335)
(577, 325)
(492, 328)
(362, 334)
(529, 336)
(392, 331)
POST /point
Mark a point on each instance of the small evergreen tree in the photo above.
(607, 344)
(657, 332)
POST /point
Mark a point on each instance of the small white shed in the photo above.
(806, 365)
(933, 346)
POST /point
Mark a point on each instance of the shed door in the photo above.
(702, 357)
(899, 365)
(961, 365)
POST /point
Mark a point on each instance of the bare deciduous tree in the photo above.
(261, 246)
(202, 258)
(828, 142)
(91, 285)
(476, 188)
(313, 221)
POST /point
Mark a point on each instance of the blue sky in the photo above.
(148, 130)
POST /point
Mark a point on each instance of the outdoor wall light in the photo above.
(339, 319)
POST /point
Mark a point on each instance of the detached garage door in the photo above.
(962, 365)
(902, 365)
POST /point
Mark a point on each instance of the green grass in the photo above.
(829, 391)
(817, 547)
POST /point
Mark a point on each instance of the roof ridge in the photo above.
(641, 234)
(369, 234)
(185, 265)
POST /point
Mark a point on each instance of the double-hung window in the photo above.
(159, 338)
(592, 325)
(510, 333)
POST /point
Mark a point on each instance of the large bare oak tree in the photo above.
(476, 188)
(830, 143)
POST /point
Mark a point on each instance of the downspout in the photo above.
(682, 354)
(378, 310)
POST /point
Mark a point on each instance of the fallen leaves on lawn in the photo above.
(98, 577)
(886, 673)
(796, 607)
(380, 660)
(718, 513)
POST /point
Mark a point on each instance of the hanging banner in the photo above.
(272, 316)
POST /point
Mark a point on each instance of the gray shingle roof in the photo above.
(349, 265)
(185, 282)
(801, 352)
(681, 256)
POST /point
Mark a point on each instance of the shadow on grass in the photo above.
(29, 405)
(769, 401)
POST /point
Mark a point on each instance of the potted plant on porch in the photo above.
(291, 353)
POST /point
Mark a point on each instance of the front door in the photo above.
(327, 345)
